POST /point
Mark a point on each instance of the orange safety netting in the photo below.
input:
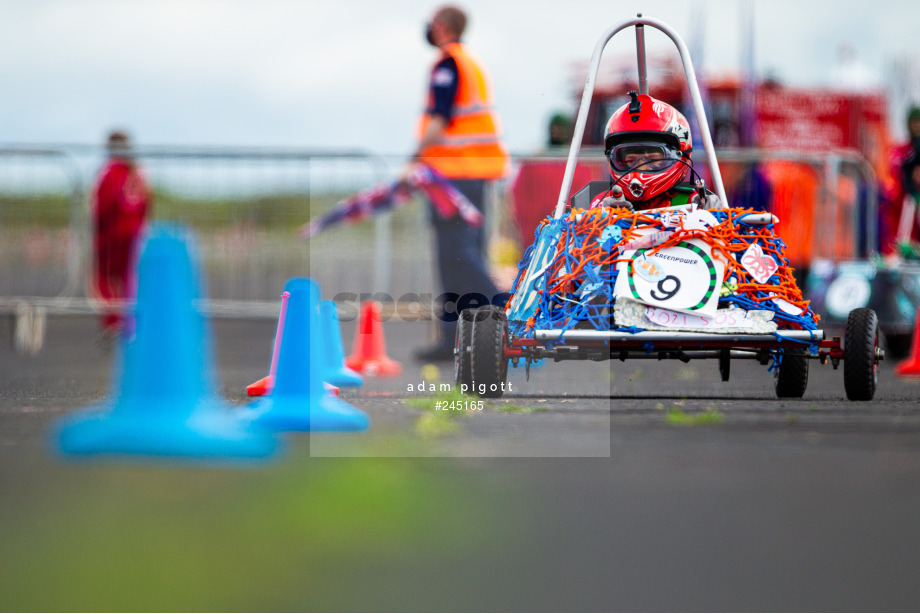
(586, 248)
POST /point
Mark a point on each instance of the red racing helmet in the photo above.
(647, 144)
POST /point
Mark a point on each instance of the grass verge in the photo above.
(678, 417)
(289, 536)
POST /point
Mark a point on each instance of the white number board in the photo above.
(684, 277)
(725, 318)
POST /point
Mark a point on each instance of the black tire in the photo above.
(790, 379)
(462, 371)
(489, 367)
(860, 355)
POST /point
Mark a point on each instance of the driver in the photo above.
(648, 146)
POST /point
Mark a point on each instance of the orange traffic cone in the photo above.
(369, 353)
(260, 387)
(264, 386)
(911, 366)
(331, 390)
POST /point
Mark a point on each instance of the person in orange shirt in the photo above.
(460, 137)
(120, 207)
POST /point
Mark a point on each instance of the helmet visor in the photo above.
(642, 157)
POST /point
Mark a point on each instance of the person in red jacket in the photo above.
(120, 206)
(898, 216)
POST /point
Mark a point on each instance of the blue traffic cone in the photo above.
(165, 401)
(298, 401)
(335, 373)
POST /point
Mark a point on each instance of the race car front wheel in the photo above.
(861, 355)
(489, 367)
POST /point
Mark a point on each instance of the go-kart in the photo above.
(674, 283)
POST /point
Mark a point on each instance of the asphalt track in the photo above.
(606, 489)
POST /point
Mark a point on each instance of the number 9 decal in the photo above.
(688, 280)
(666, 294)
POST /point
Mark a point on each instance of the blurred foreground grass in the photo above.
(289, 536)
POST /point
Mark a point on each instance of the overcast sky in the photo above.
(351, 73)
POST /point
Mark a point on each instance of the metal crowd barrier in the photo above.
(42, 193)
(827, 202)
(245, 206)
(844, 220)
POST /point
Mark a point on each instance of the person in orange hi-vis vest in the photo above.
(460, 137)
(120, 206)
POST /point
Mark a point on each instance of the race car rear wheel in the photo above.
(790, 378)
(489, 367)
(462, 374)
(861, 355)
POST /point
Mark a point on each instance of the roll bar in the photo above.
(639, 22)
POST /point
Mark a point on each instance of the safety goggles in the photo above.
(642, 157)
